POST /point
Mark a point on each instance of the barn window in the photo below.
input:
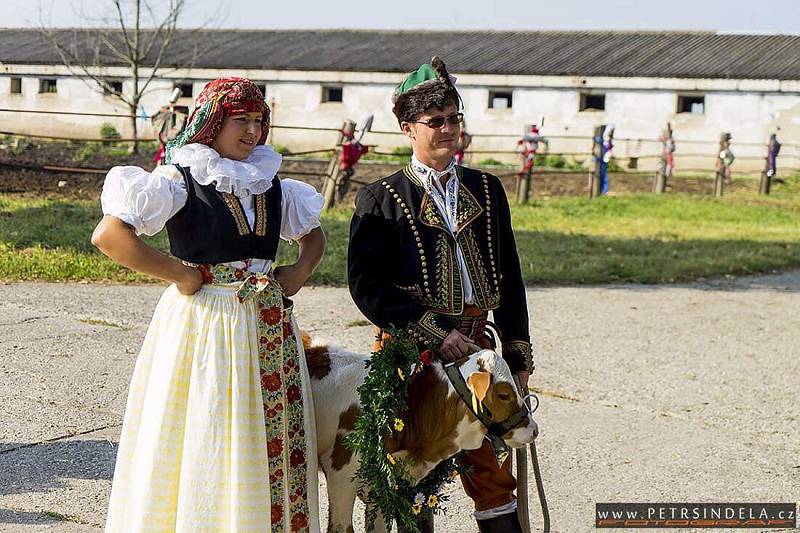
(692, 103)
(16, 85)
(187, 89)
(331, 93)
(48, 85)
(501, 99)
(593, 102)
(112, 88)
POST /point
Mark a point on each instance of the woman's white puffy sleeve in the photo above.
(301, 206)
(143, 199)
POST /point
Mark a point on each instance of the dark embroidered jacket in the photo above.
(402, 268)
(212, 227)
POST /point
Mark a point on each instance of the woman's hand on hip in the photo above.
(291, 278)
(119, 241)
(190, 282)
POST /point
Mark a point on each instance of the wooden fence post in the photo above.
(529, 145)
(664, 169)
(273, 104)
(723, 162)
(770, 165)
(332, 178)
(524, 191)
(595, 177)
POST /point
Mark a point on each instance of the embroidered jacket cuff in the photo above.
(430, 330)
(519, 356)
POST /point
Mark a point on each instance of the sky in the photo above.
(738, 16)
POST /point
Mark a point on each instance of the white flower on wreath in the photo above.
(419, 499)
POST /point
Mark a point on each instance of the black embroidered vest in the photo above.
(212, 226)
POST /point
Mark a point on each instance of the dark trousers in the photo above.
(486, 483)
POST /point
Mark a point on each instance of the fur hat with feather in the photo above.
(429, 86)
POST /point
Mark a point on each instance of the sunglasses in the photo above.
(438, 122)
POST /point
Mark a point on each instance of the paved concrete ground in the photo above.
(649, 393)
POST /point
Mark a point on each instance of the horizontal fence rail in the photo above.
(569, 155)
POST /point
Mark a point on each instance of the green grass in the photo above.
(399, 155)
(48, 239)
(652, 239)
(637, 238)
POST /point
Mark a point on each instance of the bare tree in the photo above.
(139, 41)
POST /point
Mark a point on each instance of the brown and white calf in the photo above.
(438, 423)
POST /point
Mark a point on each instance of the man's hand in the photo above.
(456, 345)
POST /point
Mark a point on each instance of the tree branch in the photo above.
(169, 26)
(76, 65)
(125, 37)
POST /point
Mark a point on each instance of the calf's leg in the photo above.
(341, 498)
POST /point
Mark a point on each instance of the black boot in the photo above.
(507, 523)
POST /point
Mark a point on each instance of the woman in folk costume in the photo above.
(219, 428)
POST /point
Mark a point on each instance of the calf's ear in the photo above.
(478, 383)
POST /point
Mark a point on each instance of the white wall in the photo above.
(73, 95)
(639, 107)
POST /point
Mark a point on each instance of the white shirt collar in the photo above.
(427, 173)
(250, 176)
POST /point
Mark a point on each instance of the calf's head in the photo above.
(492, 385)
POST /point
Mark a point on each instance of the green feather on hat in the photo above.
(433, 71)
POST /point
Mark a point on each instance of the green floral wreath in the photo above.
(384, 478)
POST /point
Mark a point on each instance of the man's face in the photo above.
(434, 144)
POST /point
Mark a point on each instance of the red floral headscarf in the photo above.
(221, 98)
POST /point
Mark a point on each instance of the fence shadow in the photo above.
(10, 516)
(45, 467)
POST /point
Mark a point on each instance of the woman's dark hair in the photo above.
(438, 93)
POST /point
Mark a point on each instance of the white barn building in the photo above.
(702, 83)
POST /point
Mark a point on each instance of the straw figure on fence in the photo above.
(169, 122)
(773, 149)
(605, 159)
(725, 158)
(352, 150)
(432, 251)
(667, 152)
(219, 430)
(527, 146)
(463, 144)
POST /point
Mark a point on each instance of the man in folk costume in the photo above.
(432, 251)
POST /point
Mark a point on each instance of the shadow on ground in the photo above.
(47, 466)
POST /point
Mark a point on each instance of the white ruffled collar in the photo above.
(251, 176)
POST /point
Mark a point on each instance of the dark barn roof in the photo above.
(578, 53)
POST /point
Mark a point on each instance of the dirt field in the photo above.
(678, 393)
(546, 183)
